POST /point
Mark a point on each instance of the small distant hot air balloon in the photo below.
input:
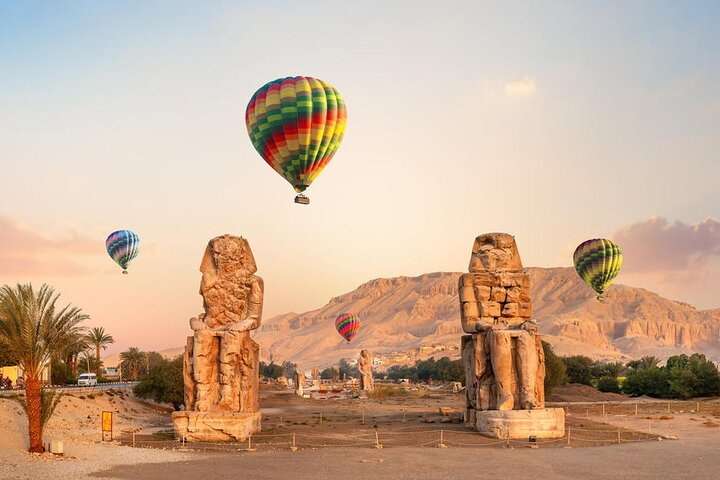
(347, 325)
(123, 246)
(296, 124)
(598, 262)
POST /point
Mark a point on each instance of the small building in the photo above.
(14, 372)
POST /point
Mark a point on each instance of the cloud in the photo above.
(24, 252)
(523, 88)
(656, 246)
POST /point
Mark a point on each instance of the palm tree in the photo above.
(31, 331)
(133, 359)
(99, 339)
(75, 345)
(649, 361)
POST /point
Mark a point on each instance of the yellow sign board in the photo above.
(107, 422)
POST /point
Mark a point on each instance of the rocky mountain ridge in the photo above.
(403, 313)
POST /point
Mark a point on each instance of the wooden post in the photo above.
(649, 426)
(363, 418)
(133, 434)
(668, 407)
(568, 436)
(321, 416)
(618, 436)
(441, 444)
(377, 440)
(636, 409)
(293, 447)
(603, 405)
(697, 408)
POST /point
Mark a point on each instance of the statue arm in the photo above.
(255, 301)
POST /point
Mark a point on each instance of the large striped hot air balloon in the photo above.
(296, 125)
(347, 325)
(598, 262)
(123, 246)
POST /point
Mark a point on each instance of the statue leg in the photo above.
(527, 368)
(501, 359)
(229, 357)
(202, 369)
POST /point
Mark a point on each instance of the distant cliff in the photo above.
(408, 312)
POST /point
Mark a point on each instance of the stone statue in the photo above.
(221, 361)
(299, 382)
(365, 367)
(503, 356)
(495, 300)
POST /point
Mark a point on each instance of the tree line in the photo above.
(682, 377)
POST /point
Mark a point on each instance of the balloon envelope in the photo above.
(296, 124)
(347, 325)
(598, 262)
(123, 246)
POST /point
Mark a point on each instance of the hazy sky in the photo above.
(553, 121)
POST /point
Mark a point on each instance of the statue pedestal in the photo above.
(215, 426)
(520, 424)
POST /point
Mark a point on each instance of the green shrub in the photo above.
(164, 383)
(555, 370)
(579, 369)
(608, 384)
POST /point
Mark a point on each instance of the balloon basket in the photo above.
(302, 199)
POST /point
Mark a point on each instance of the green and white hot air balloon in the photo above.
(598, 262)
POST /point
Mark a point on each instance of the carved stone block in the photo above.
(489, 309)
(498, 294)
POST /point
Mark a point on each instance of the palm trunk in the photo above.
(75, 365)
(34, 413)
(97, 357)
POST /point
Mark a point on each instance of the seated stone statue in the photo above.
(503, 357)
(224, 359)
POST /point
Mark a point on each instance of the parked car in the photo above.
(86, 379)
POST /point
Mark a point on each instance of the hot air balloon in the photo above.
(123, 246)
(598, 262)
(347, 325)
(296, 124)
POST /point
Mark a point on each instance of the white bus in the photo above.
(87, 379)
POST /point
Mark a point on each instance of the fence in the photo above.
(440, 438)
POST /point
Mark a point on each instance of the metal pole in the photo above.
(568, 436)
(442, 443)
(618, 436)
(636, 409)
(133, 434)
(293, 448)
(377, 440)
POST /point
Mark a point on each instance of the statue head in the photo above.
(228, 254)
(495, 252)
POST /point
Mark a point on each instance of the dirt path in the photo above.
(694, 458)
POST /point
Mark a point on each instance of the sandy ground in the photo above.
(77, 423)
(340, 445)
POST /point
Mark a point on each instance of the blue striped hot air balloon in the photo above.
(123, 246)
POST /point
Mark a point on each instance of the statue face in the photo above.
(495, 252)
(232, 254)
